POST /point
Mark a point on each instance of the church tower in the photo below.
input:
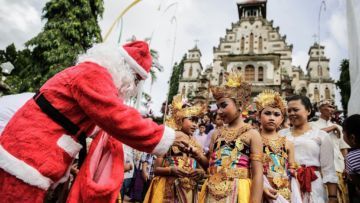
(321, 86)
(191, 74)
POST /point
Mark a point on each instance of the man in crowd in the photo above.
(327, 109)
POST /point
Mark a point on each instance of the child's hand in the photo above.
(270, 193)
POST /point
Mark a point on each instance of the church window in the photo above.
(183, 91)
(249, 73)
(316, 94)
(327, 93)
(320, 73)
(251, 42)
(260, 44)
(242, 44)
(190, 71)
(261, 74)
(239, 68)
(317, 53)
(220, 78)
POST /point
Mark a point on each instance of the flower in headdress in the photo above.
(181, 110)
(234, 88)
(270, 98)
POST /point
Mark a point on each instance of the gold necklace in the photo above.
(274, 145)
(229, 134)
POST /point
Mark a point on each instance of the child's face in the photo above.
(271, 118)
(202, 129)
(349, 139)
(188, 127)
(227, 110)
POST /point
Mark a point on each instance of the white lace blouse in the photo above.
(314, 148)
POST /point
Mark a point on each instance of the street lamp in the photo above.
(322, 7)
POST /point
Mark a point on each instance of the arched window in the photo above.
(327, 93)
(251, 42)
(260, 44)
(183, 91)
(190, 71)
(242, 45)
(319, 71)
(221, 78)
(249, 73)
(316, 94)
(261, 74)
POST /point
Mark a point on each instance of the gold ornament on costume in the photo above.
(234, 88)
(178, 112)
(270, 98)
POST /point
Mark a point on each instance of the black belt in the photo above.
(63, 121)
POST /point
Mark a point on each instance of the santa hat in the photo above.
(137, 55)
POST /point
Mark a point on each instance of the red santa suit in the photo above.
(36, 152)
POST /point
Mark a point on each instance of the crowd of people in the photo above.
(278, 153)
(261, 158)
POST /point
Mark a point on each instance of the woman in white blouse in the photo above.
(313, 152)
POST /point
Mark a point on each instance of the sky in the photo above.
(176, 25)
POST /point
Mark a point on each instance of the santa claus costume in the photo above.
(36, 152)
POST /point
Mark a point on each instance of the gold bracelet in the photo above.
(256, 157)
(293, 165)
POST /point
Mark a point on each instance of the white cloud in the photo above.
(338, 29)
(20, 20)
(300, 58)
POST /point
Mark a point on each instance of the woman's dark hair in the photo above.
(351, 126)
(304, 101)
(202, 124)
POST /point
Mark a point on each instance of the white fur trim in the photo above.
(69, 145)
(165, 143)
(133, 64)
(22, 170)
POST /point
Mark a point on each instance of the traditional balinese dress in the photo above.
(314, 152)
(276, 173)
(229, 168)
(173, 189)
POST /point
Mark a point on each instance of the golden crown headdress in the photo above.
(179, 112)
(270, 98)
(234, 88)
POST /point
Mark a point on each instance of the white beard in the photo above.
(109, 57)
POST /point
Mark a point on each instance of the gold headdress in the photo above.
(234, 88)
(178, 112)
(270, 98)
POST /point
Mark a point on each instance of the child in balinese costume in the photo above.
(177, 174)
(235, 164)
(279, 161)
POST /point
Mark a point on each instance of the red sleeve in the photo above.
(96, 94)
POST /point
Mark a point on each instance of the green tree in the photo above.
(71, 28)
(175, 79)
(344, 84)
(20, 60)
